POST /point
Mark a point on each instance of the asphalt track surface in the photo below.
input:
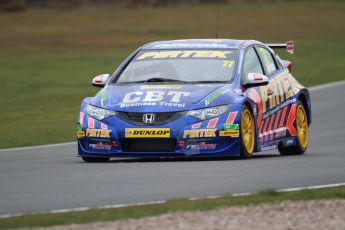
(45, 178)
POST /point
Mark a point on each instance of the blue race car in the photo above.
(204, 97)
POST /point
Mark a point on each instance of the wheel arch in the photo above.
(305, 99)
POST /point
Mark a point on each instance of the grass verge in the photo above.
(112, 214)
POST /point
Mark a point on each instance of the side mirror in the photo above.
(100, 80)
(255, 79)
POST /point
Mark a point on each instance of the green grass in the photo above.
(48, 57)
(95, 215)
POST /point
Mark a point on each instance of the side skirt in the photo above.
(274, 144)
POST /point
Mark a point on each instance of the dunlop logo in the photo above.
(147, 132)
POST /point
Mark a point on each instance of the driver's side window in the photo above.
(251, 63)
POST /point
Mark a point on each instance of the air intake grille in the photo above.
(148, 145)
(159, 118)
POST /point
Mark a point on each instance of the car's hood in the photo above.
(162, 98)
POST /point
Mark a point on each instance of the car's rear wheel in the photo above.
(247, 133)
(302, 133)
(95, 159)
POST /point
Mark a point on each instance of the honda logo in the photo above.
(149, 118)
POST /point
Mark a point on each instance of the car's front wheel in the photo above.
(302, 134)
(247, 133)
(95, 159)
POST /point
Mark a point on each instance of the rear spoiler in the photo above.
(289, 46)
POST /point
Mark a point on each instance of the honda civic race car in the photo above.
(203, 97)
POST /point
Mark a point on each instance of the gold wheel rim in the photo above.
(302, 127)
(247, 129)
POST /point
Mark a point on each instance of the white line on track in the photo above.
(164, 201)
(311, 89)
(38, 146)
(310, 187)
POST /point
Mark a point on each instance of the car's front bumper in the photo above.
(187, 137)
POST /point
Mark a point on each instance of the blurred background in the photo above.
(50, 50)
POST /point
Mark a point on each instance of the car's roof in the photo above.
(200, 44)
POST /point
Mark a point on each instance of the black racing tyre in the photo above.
(95, 159)
(302, 134)
(247, 133)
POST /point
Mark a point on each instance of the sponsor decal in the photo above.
(160, 86)
(290, 47)
(281, 132)
(216, 54)
(213, 122)
(265, 132)
(147, 132)
(100, 146)
(181, 105)
(153, 98)
(81, 118)
(213, 96)
(273, 111)
(283, 83)
(268, 147)
(212, 111)
(201, 146)
(265, 55)
(187, 45)
(115, 144)
(282, 119)
(196, 126)
(231, 127)
(228, 64)
(199, 133)
(291, 119)
(229, 133)
(103, 96)
(279, 107)
(277, 120)
(231, 118)
(104, 126)
(80, 134)
(91, 123)
(100, 78)
(257, 77)
(79, 127)
(270, 132)
(275, 126)
(181, 143)
(98, 139)
(103, 133)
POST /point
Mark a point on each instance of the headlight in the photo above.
(99, 113)
(207, 113)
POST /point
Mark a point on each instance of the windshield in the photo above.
(186, 66)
